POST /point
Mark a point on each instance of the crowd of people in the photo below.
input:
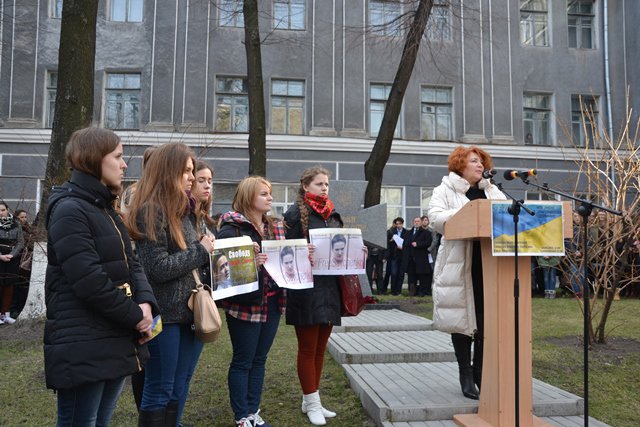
(118, 261)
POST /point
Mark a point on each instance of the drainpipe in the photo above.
(607, 84)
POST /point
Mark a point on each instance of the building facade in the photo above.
(512, 76)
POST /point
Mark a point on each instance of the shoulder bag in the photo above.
(206, 317)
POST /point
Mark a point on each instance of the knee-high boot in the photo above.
(462, 348)
(478, 346)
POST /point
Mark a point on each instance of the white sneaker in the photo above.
(8, 319)
(257, 420)
(244, 422)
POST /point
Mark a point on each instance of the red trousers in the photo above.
(312, 344)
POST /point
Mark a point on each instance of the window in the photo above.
(393, 197)
(580, 17)
(126, 10)
(231, 13)
(536, 118)
(536, 195)
(55, 9)
(425, 198)
(52, 85)
(584, 107)
(122, 101)
(283, 197)
(439, 24)
(287, 107)
(379, 93)
(383, 17)
(534, 22)
(288, 14)
(232, 105)
(435, 120)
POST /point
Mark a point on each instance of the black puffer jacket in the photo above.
(90, 334)
(319, 305)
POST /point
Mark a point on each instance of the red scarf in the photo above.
(322, 205)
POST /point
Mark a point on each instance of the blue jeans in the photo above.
(549, 275)
(90, 404)
(251, 342)
(397, 274)
(174, 355)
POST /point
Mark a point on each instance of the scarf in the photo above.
(321, 205)
(6, 222)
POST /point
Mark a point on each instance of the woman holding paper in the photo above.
(457, 279)
(252, 318)
(162, 221)
(313, 311)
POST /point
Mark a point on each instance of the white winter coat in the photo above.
(453, 306)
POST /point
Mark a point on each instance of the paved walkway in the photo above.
(406, 376)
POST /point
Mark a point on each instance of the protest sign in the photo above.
(288, 263)
(337, 251)
(233, 267)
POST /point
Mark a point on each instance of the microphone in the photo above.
(513, 174)
(489, 173)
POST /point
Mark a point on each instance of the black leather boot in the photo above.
(477, 359)
(171, 417)
(151, 418)
(462, 348)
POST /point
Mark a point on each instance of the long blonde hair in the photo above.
(160, 192)
(244, 196)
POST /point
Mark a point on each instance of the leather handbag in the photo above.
(352, 301)
(206, 317)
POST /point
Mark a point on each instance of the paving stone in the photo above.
(384, 320)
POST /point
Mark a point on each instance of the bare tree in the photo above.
(374, 166)
(255, 86)
(74, 96)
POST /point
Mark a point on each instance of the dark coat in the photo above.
(393, 252)
(321, 304)
(90, 333)
(420, 253)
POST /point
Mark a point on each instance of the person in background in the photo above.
(548, 265)
(457, 280)
(100, 306)
(202, 192)
(375, 264)
(314, 311)
(252, 318)
(396, 254)
(162, 221)
(11, 245)
(418, 268)
(22, 288)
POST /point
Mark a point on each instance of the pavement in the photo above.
(405, 374)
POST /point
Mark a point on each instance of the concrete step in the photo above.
(431, 392)
(391, 347)
(384, 320)
(570, 421)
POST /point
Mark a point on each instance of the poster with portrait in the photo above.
(233, 267)
(337, 251)
(288, 263)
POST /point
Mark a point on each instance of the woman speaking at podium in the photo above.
(458, 306)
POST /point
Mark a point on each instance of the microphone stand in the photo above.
(585, 209)
(514, 211)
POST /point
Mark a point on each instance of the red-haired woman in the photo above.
(457, 279)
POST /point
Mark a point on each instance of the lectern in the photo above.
(497, 396)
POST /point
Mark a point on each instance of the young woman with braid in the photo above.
(313, 311)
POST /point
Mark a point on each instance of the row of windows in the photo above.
(535, 23)
(122, 109)
(290, 15)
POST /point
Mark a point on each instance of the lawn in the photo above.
(557, 359)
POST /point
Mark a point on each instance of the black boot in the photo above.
(151, 418)
(477, 359)
(171, 417)
(462, 348)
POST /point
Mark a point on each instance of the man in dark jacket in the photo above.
(396, 238)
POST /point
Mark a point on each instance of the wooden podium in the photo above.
(497, 397)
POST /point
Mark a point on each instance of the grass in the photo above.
(557, 359)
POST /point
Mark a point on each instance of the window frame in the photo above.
(393, 210)
(437, 105)
(128, 4)
(234, 16)
(233, 128)
(125, 101)
(50, 102)
(537, 109)
(439, 23)
(386, 27)
(530, 19)
(55, 12)
(287, 98)
(383, 103)
(578, 124)
(287, 22)
(581, 18)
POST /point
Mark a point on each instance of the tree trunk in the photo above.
(374, 166)
(35, 308)
(257, 126)
(74, 94)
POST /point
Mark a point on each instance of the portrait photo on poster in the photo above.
(288, 263)
(337, 251)
(233, 267)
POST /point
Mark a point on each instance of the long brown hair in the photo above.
(159, 192)
(244, 196)
(305, 179)
(202, 209)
